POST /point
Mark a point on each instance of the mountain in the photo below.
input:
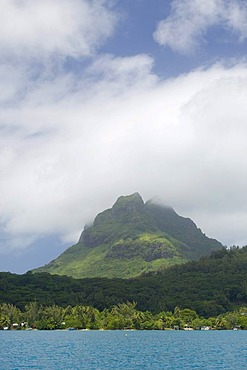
(130, 239)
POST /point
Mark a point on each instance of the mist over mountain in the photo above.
(130, 239)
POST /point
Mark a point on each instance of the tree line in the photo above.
(121, 316)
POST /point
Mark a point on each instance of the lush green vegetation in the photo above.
(211, 286)
(99, 261)
(130, 239)
(152, 247)
(121, 316)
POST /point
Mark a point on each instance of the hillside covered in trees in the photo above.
(210, 286)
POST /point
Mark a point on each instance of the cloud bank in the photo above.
(185, 29)
(69, 153)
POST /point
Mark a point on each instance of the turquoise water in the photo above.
(118, 350)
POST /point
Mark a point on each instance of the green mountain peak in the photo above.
(133, 238)
(129, 204)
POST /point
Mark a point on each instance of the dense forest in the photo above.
(211, 286)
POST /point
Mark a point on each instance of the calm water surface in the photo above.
(173, 350)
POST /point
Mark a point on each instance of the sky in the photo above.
(102, 98)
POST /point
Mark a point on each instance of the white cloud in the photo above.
(71, 145)
(186, 27)
(112, 67)
(42, 28)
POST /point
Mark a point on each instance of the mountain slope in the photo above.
(130, 239)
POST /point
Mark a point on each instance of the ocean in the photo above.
(122, 349)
